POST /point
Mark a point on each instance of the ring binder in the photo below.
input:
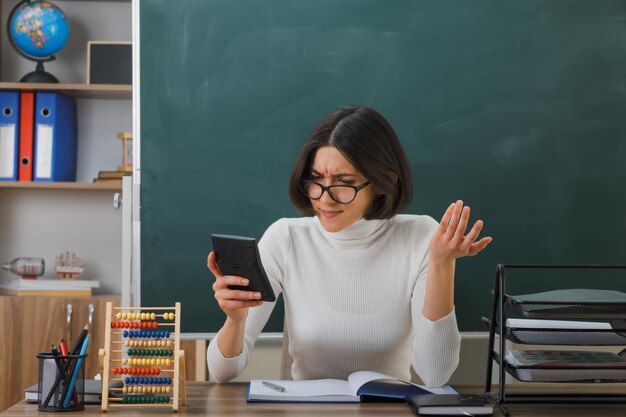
(55, 138)
(9, 132)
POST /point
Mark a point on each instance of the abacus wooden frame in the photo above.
(178, 378)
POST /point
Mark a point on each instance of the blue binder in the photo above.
(9, 133)
(55, 138)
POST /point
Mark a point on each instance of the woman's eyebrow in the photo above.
(340, 175)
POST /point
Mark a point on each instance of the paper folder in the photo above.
(9, 125)
(27, 126)
(55, 138)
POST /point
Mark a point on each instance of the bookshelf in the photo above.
(43, 219)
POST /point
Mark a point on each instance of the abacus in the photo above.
(143, 353)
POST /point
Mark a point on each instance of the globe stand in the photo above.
(39, 75)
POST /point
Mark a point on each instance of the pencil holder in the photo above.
(61, 382)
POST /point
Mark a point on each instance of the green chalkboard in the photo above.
(517, 107)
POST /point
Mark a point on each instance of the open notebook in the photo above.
(360, 386)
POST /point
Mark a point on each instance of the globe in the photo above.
(38, 30)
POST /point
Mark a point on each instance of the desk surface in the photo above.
(205, 398)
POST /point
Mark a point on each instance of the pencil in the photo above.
(59, 362)
(80, 340)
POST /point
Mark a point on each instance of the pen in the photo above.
(67, 393)
(273, 386)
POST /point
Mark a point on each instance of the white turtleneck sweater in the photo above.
(353, 301)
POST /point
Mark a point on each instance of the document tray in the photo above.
(566, 374)
(570, 304)
(566, 337)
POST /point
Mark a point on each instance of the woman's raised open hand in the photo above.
(450, 241)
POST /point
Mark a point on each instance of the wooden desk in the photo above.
(230, 400)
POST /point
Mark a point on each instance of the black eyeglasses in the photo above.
(343, 194)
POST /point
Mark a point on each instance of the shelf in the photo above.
(61, 185)
(99, 91)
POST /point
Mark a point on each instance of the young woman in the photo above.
(365, 288)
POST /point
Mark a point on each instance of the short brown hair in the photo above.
(371, 145)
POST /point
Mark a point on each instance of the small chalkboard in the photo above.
(109, 62)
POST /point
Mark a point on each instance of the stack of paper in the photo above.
(563, 332)
(49, 287)
(565, 359)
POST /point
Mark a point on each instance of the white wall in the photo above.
(44, 223)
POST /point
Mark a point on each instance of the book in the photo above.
(49, 287)
(450, 405)
(114, 177)
(361, 386)
(93, 391)
(565, 359)
(108, 180)
(113, 174)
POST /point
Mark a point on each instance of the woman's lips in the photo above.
(329, 214)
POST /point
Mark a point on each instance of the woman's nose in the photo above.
(326, 198)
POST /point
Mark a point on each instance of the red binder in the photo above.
(27, 123)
